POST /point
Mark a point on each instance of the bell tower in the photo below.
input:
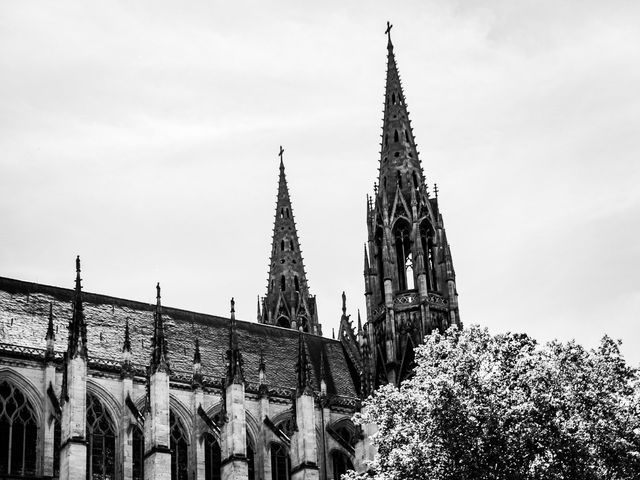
(288, 302)
(410, 283)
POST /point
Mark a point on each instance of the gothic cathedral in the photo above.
(94, 387)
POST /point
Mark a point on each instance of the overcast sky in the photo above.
(144, 137)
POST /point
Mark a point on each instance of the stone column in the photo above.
(304, 447)
(234, 434)
(73, 448)
(157, 462)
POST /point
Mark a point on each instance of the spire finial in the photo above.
(233, 308)
(158, 293)
(435, 190)
(388, 33)
(344, 303)
(280, 154)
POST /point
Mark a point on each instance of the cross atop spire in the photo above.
(388, 33)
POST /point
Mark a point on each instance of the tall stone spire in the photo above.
(409, 290)
(399, 163)
(159, 352)
(288, 302)
(77, 326)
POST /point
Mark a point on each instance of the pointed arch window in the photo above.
(179, 449)
(283, 283)
(18, 433)
(296, 283)
(406, 135)
(341, 463)
(101, 437)
(282, 245)
(291, 245)
(393, 98)
(404, 258)
(287, 211)
(138, 454)
(251, 465)
(212, 458)
(280, 463)
(57, 440)
(395, 136)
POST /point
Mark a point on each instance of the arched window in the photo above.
(57, 438)
(280, 463)
(251, 465)
(393, 98)
(403, 255)
(282, 245)
(283, 283)
(406, 135)
(179, 450)
(291, 245)
(296, 283)
(138, 454)
(395, 136)
(415, 179)
(101, 437)
(18, 433)
(287, 210)
(283, 322)
(341, 463)
(212, 457)
(282, 213)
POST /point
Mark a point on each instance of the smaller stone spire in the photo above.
(50, 337)
(303, 368)
(235, 374)
(323, 375)
(159, 353)
(197, 365)
(366, 260)
(77, 327)
(259, 317)
(126, 368)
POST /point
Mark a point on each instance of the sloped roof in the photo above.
(24, 313)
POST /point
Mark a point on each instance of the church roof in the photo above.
(24, 317)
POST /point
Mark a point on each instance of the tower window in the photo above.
(386, 140)
(282, 245)
(395, 136)
(282, 213)
(296, 283)
(393, 98)
(399, 178)
(287, 212)
(406, 135)
(291, 245)
(415, 179)
(283, 284)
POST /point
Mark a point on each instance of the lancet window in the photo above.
(212, 457)
(18, 433)
(251, 465)
(101, 437)
(280, 462)
(404, 256)
(138, 454)
(341, 463)
(179, 450)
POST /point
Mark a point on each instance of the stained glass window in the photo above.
(101, 437)
(18, 433)
(138, 454)
(179, 450)
(280, 463)
(212, 457)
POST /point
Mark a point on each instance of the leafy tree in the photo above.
(501, 407)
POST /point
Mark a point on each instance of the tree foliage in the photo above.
(502, 407)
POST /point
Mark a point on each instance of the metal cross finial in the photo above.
(281, 152)
(388, 31)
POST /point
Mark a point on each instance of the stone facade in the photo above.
(103, 388)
